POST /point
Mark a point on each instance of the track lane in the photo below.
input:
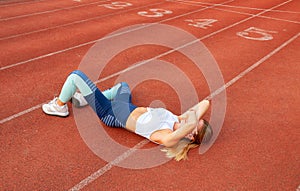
(186, 181)
(41, 88)
(13, 81)
(292, 12)
(42, 43)
(32, 7)
(242, 158)
(61, 18)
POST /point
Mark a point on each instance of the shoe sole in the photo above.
(56, 114)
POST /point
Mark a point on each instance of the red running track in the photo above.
(257, 148)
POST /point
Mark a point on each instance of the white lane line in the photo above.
(51, 11)
(249, 18)
(185, 45)
(233, 6)
(20, 3)
(122, 157)
(77, 22)
(122, 71)
(81, 45)
(47, 55)
(261, 16)
(243, 13)
(20, 113)
(104, 169)
(108, 166)
(93, 41)
(252, 67)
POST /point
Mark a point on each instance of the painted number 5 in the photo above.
(117, 5)
(254, 33)
(155, 13)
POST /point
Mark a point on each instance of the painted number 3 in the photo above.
(254, 33)
(155, 13)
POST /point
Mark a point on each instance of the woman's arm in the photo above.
(200, 108)
(191, 118)
(173, 138)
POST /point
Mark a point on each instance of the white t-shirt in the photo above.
(155, 119)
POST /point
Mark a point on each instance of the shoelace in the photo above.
(53, 100)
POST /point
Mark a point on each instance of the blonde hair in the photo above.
(181, 149)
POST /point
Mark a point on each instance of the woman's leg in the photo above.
(123, 93)
(78, 99)
(78, 80)
(113, 114)
(121, 104)
(112, 92)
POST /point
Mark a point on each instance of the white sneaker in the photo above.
(52, 108)
(78, 100)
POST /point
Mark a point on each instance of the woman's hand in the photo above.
(183, 120)
(192, 134)
(189, 122)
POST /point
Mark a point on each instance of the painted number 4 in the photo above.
(201, 23)
(254, 33)
(117, 5)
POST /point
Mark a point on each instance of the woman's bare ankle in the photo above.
(60, 103)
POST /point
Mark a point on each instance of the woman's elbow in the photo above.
(168, 142)
(205, 103)
(170, 145)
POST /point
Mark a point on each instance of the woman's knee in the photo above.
(77, 72)
(80, 74)
(124, 84)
